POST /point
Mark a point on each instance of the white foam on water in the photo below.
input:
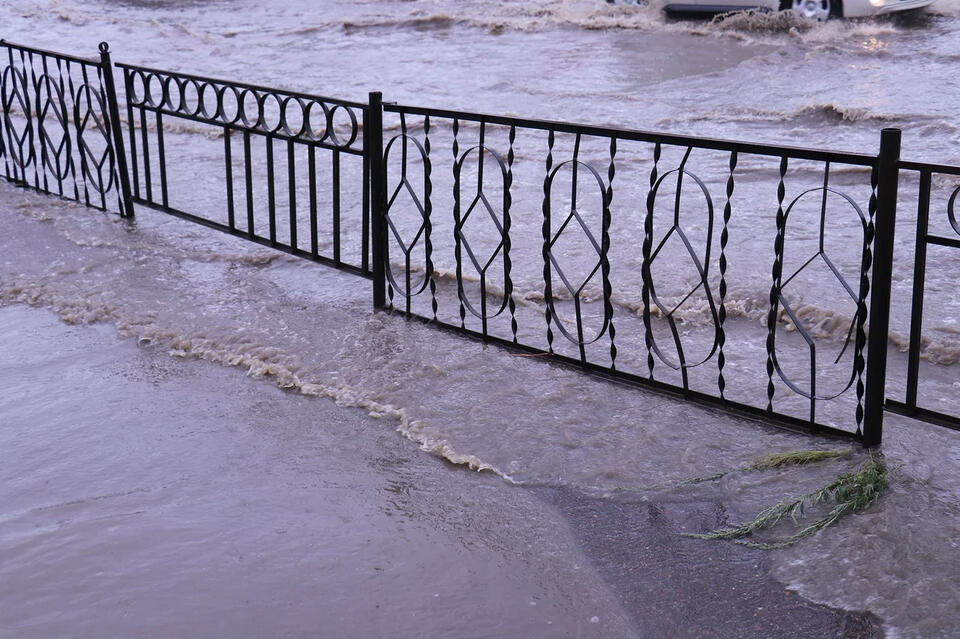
(258, 361)
(876, 560)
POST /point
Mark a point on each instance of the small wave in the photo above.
(543, 15)
(946, 8)
(418, 23)
(259, 361)
(937, 346)
(536, 15)
(814, 113)
(758, 21)
(837, 33)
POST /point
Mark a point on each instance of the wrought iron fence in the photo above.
(616, 251)
(302, 125)
(654, 350)
(925, 238)
(59, 112)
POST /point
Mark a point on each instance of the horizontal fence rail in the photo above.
(624, 253)
(289, 128)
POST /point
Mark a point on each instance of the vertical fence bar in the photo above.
(292, 187)
(162, 159)
(115, 130)
(887, 186)
(145, 143)
(336, 207)
(312, 170)
(228, 166)
(3, 111)
(72, 168)
(27, 61)
(41, 120)
(3, 150)
(919, 277)
(248, 182)
(373, 151)
(84, 87)
(365, 222)
(271, 192)
(131, 126)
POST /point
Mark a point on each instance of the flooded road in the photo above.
(310, 330)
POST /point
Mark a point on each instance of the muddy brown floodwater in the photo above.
(145, 491)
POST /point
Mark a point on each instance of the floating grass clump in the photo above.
(849, 493)
(777, 460)
(796, 458)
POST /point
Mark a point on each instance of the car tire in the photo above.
(819, 10)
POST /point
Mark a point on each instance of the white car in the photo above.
(810, 9)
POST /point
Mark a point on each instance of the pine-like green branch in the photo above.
(849, 493)
(775, 460)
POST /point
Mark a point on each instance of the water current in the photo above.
(765, 78)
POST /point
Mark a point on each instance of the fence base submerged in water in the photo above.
(376, 216)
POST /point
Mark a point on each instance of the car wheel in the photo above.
(820, 10)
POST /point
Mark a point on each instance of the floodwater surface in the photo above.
(191, 293)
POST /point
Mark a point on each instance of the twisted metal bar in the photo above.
(456, 215)
(722, 312)
(777, 272)
(545, 231)
(507, 263)
(645, 265)
(428, 207)
(607, 287)
(866, 263)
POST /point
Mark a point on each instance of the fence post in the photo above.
(114, 114)
(888, 176)
(373, 149)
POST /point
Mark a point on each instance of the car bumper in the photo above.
(855, 8)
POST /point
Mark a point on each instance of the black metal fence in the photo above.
(925, 238)
(300, 125)
(654, 349)
(59, 113)
(596, 247)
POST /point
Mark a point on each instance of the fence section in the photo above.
(59, 126)
(944, 238)
(294, 129)
(625, 253)
(548, 264)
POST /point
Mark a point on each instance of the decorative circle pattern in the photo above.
(304, 118)
(951, 211)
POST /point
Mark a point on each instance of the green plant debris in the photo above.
(796, 458)
(849, 493)
(776, 460)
